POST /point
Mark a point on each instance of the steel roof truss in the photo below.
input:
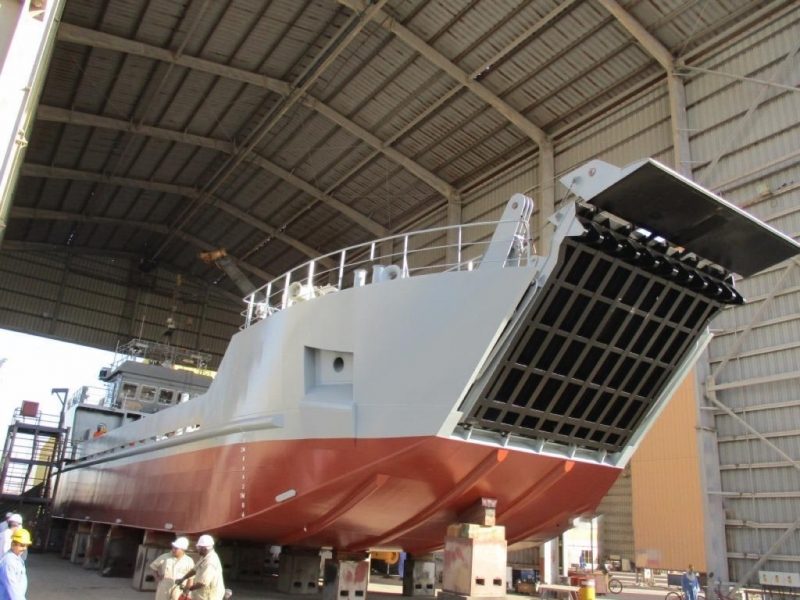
(96, 39)
(462, 77)
(19, 212)
(60, 115)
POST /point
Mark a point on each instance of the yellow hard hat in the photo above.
(22, 536)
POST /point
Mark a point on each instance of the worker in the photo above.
(712, 586)
(207, 573)
(100, 431)
(690, 584)
(14, 523)
(171, 566)
(4, 523)
(13, 576)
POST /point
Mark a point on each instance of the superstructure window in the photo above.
(129, 391)
(166, 397)
(147, 394)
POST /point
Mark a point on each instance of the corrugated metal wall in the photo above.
(102, 301)
(615, 531)
(755, 130)
(745, 144)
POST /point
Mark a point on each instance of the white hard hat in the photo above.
(205, 541)
(181, 543)
(15, 518)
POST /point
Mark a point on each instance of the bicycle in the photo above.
(673, 595)
(614, 585)
(731, 594)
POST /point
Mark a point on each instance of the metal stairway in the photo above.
(34, 447)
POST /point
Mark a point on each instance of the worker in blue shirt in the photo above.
(690, 584)
(13, 577)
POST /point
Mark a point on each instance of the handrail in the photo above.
(303, 282)
(41, 418)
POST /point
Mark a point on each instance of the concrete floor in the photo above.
(53, 578)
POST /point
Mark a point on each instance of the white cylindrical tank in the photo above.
(359, 278)
(377, 273)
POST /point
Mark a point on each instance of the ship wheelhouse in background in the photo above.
(145, 378)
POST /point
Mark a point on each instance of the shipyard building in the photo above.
(475, 297)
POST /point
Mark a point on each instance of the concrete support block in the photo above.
(483, 513)
(298, 571)
(121, 549)
(227, 557)
(251, 563)
(154, 544)
(474, 562)
(346, 577)
(272, 561)
(79, 543)
(144, 579)
(95, 545)
(69, 539)
(56, 536)
(419, 576)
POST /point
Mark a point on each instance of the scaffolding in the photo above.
(34, 449)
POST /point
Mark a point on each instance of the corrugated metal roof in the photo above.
(195, 116)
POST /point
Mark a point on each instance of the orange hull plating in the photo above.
(349, 494)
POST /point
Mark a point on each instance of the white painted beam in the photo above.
(677, 95)
(61, 115)
(28, 247)
(20, 212)
(34, 170)
(76, 117)
(105, 41)
(385, 148)
(462, 77)
(96, 39)
(309, 189)
(46, 172)
(648, 41)
(311, 74)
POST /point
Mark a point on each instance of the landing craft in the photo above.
(377, 392)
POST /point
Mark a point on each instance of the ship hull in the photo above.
(375, 416)
(345, 493)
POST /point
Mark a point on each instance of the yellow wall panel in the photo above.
(665, 476)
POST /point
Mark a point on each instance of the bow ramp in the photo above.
(639, 265)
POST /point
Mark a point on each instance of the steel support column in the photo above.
(547, 198)
(453, 234)
(679, 124)
(677, 95)
(21, 82)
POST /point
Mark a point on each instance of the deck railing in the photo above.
(454, 248)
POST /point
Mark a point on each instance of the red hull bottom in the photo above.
(348, 494)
